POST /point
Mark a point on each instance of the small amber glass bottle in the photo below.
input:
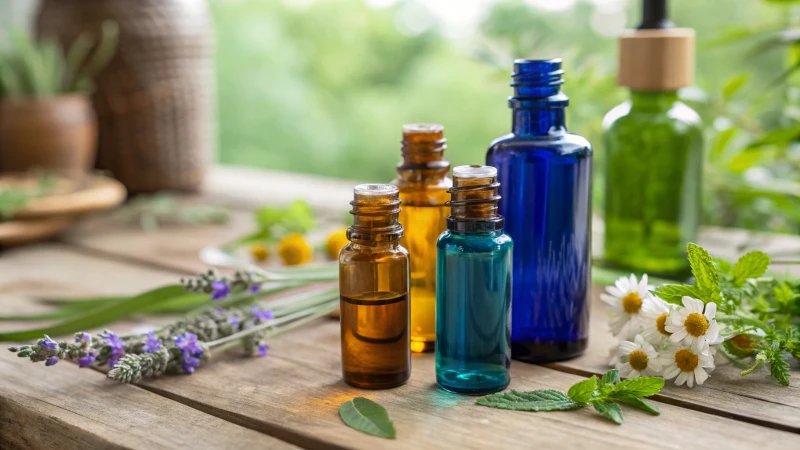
(423, 183)
(373, 288)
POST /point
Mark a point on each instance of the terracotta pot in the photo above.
(54, 134)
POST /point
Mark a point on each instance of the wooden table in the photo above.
(290, 399)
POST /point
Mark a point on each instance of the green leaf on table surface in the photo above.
(752, 265)
(539, 400)
(634, 401)
(705, 274)
(583, 391)
(609, 378)
(367, 416)
(639, 387)
(100, 315)
(609, 409)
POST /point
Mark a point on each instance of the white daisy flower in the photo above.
(685, 365)
(627, 298)
(654, 321)
(640, 358)
(692, 327)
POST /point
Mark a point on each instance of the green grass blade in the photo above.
(76, 55)
(99, 316)
(105, 50)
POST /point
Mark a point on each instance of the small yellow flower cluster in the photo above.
(295, 250)
(336, 242)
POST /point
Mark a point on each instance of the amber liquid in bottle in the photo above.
(373, 287)
(423, 183)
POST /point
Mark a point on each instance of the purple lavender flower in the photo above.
(234, 321)
(117, 347)
(51, 361)
(255, 288)
(221, 290)
(49, 344)
(191, 351)
(152, 344)
(262, 349)
(83, 337)
(219, 309)
(86, 360)
(265, 315)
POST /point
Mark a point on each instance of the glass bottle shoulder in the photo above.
(474, 242)
(563, 144)
(354, 252)
(678, 116)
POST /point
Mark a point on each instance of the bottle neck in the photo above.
(545, 121)
(653, 100)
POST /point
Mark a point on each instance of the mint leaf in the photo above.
(639, 387)
(609, 378)
(635, 402)
(583, 391)
(367, 416)
(673, 293)
(723, 266)
(705, 274)
(609, 409)
(752, 265)
(540, 400)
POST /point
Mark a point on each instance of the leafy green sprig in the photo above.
(760, 313)
(604, 395)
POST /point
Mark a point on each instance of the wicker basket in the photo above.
(154, 102)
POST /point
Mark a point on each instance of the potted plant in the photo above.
(46, 118)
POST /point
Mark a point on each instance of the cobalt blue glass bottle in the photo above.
(545, 176)
(473, 288)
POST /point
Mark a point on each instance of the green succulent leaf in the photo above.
(539, 400)
(367, 416)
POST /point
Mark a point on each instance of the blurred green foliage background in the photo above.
(323, 86)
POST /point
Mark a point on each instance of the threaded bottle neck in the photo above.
(376, 208)
(473, 200)
(538, 102)
(423, 149)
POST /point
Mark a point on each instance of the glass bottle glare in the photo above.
(473, 301)
(373, 285)
(423, 183)
(545, 176)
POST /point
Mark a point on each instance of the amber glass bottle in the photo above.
(423, 183)
(373, 285)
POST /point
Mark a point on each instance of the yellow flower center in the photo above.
(742, 342)
(696, 324)
(632, 303)
(638, 360)
(686, 360)
(661, 324)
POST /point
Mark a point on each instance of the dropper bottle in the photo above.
(654, 151)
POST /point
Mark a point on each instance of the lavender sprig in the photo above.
(220, 286)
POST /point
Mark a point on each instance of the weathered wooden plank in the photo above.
(294, 394)
(63, 407)
(757, 398)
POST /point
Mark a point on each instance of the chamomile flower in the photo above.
(627, 299)
(654, 321)
(685, 365)
(640, 358)
(693, 327)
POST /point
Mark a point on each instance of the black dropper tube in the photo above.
(654, 15)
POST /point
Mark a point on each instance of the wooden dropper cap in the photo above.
(656, 56)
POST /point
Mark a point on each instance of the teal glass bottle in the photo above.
(473, 289)
(654, 151)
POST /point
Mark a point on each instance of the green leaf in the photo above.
(609, 409)
(723, 266)
(609, 378)
(367, 416)
(636, 403)
(733, 85)
(540, 400)
(583, 391)
(705, 274)
(639, 387)
(752, 265)
(721, 142)
(673, 293)
(99, 316)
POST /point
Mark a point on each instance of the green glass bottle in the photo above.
(654, 151)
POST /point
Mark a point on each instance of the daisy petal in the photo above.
(711, 311)
(701, 375)
(679, 335)
(681, 378)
